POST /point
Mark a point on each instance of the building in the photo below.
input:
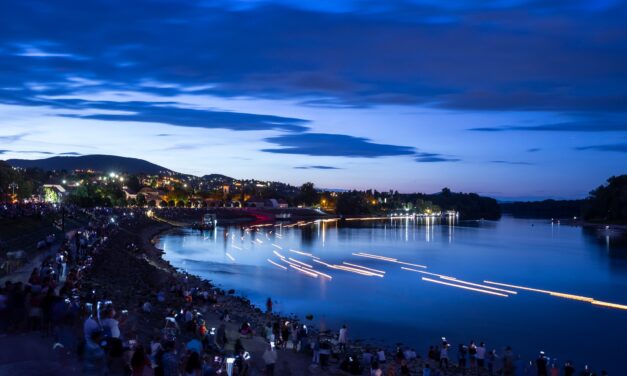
(151, 194)
(129, 194)
(258, 202)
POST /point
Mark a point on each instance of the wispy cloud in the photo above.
(620, 148)
(13, 137)
(519, 163)
(600, 126)
(71, 153)
(317, 168)
(534, 150)
(434, 158)
(326, 144)
(189, 117)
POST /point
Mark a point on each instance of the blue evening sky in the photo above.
(513, 99)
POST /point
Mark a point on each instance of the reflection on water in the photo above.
(611, 241)
(556, 271)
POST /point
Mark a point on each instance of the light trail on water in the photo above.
(275, 264)
(464, 287)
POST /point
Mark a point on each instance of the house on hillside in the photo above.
(129, 194)
(257, 202)
(151, 194)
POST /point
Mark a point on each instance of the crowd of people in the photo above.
(13, 210)
(91, 332)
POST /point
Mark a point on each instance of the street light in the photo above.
(13, 186)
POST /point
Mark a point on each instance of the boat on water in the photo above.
(209, 221)
(283, 216)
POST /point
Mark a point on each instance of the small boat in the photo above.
(283, 216)
(209, 221)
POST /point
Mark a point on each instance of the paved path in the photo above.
(22, 274)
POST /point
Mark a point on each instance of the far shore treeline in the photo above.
(87, 187)
(605, 204)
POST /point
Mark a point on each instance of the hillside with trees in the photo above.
(608, 203)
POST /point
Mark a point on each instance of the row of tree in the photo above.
(608, 203)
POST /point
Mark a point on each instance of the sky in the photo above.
(513, 99)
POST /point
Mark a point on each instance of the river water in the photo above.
(400, 306)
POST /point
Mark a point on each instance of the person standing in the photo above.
(444, 355)
(94, 357)
(170, 359)
(508, 362)
(270, 358)
(480, 355)
(554, 370)
(269, 306)
(569, 370)
(343, 337)
(472, 353)
(541, 364)
(462, 350)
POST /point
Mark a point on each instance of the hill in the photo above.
(104, 163)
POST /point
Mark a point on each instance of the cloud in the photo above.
(584, 126)
(620, 148)
(480, 57)
(317, 168)
(325, 144)
(13, 138)
(434, 158)
(33, 152)
(71, 153)
(185, 146)
(29, 152)
(188, 117)
(534, 150)
(512, 163)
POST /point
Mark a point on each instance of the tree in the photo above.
(171, 203)
(608, 203)
(132, 182)
(50, 195)
(163, 204)
(353, 203)
(152, 203)
(308, 194)
(141, 200)
(131, 202)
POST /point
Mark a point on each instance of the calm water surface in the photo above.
(403, 307)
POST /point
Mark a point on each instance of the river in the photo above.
(383, 297)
